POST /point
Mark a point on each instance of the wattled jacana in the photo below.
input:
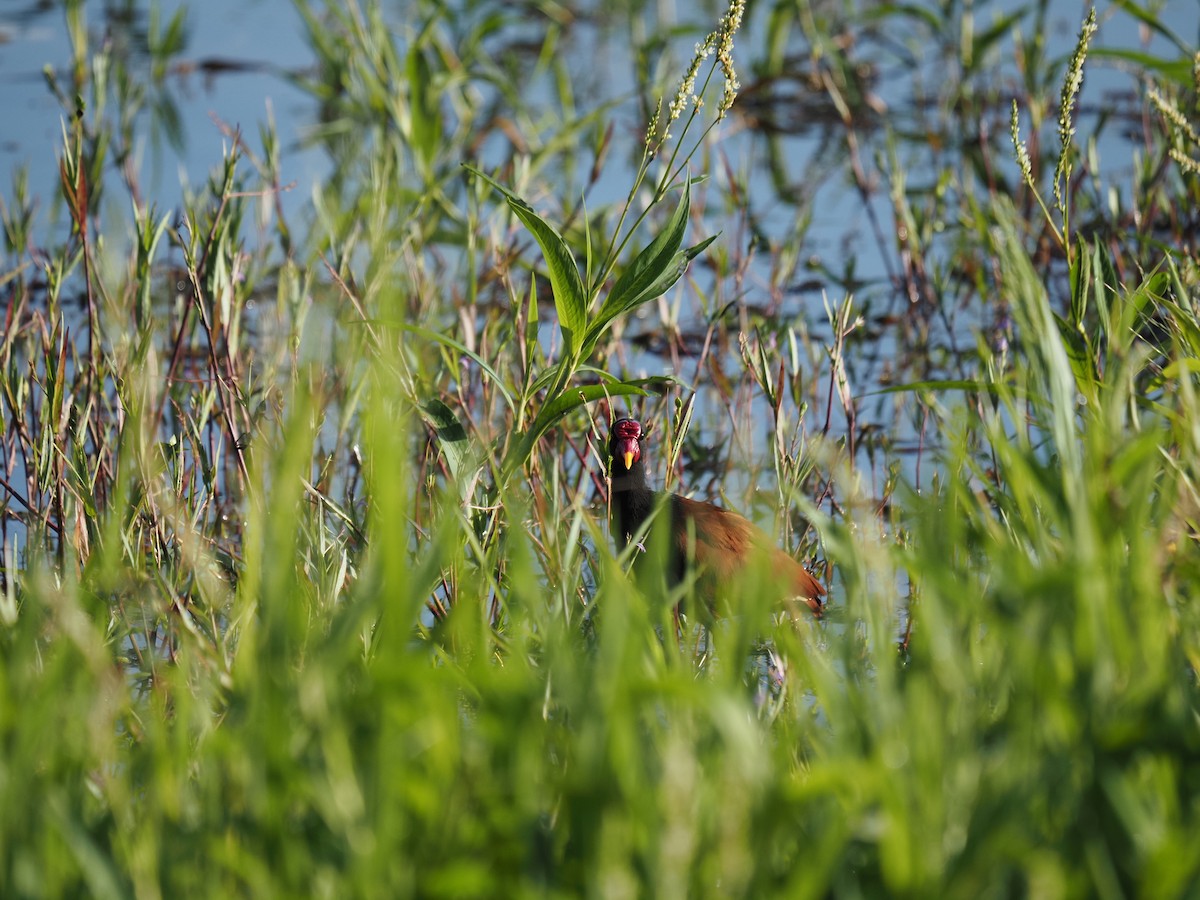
(718, 542)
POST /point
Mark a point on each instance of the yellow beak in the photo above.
(628, 457)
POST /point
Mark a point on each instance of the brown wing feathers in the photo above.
(723, 542)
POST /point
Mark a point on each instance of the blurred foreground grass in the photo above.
(307, 590)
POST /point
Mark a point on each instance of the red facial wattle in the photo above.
(627, 442)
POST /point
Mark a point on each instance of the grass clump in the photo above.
(306, 584)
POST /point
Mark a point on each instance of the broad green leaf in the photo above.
(670, 274)
(570, 298)
(1177, 70)
(1079, 352)
(463, 458)
(663, 281)
(648, 265)
(452, 437)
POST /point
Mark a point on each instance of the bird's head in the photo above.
(625, 445)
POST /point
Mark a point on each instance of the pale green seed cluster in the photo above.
(1074, 80)
(719, 42)
(1175, 117)
(1019, 146)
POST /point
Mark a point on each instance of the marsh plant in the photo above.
(307, 587)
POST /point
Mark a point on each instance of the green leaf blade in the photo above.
(570, 297)
(647, 266)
